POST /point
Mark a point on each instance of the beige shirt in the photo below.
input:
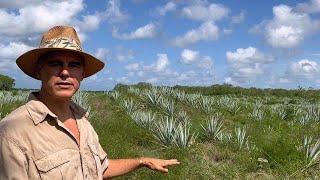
(34, 144)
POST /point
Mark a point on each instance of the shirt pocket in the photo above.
(49, 167)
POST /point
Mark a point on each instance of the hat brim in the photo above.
(27, 62)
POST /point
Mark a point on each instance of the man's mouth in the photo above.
(64, 84)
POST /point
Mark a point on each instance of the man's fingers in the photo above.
(160, 168)
(171, 162)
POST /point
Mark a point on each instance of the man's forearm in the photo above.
(119, 167)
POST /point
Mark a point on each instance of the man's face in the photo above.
(61, 74)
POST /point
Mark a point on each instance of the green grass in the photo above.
(275, 140)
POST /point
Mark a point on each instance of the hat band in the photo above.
(62, 42)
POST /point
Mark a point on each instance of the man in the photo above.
(50, 137)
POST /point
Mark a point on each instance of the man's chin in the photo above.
(64, 93)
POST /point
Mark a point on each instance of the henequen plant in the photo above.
(182, 136)
(82, 99)
(164, 130)
(241, 138)
(257, 114)
(114, 95)
(213, 127)
(167, 132)
(129, 106)
(143, 119)
(182, 117)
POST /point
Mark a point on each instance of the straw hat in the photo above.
(58, 38)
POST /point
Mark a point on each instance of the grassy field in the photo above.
(213, 135)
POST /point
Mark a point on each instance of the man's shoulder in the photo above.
(17, 120)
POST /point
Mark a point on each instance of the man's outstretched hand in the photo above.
(158, 164)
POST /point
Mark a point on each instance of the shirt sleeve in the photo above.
(101, 153)
(13, 163)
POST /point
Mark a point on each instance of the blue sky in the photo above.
(270, 44)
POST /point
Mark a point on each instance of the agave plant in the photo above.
(8, 97)
(135, 91)
(164, 131)
(181, 95)
(311, 151)
(205, 104)
(303, 119)
(166, 90)
(182, 136)
(213, 127)
(168, 107)
(82, 99)
(129, 106)
(114, 95)
(279, 111)
(143, 119)
(154, 97)
(225, 137)
(193, 99)
(182, 118)
(313, 154)
(257, 114)
(314, 112)
(233, 107)
(241, 138)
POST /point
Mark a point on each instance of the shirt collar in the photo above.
(39, 111)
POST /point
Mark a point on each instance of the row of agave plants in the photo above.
(302, 113)
(170, 129)
(10, 97)
(174, 128)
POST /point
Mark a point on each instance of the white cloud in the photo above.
(288, 28)
(202, 12)
(193, 57)
(102, 54)
(144, 32)
(152, 80)
(162, 62)
(229, 80)
(89, 23)
(189, 56)
(113, 13)
(302, 72)
(170, 6)
(18, 3)
(132, 67)
(237, 19)
(246, 64)
(9, 53)
(208, 31)
(123, 79)
(13, 50)
(227, 31)
(206, 63)
(123, 54)
(312, 7)
(304, 68)
(48, 14)
(160, 65)
(247, 56)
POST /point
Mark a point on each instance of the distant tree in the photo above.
(6, 82)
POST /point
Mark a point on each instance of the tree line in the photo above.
(6, 82)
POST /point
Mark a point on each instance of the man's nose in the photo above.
(64, 72)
